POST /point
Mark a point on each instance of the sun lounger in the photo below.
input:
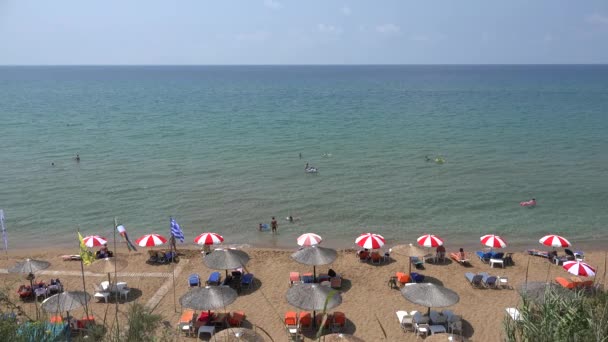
(376, 258)
(214, 278)
(538, 252)
(186, 321)
(323, 320)
(294, 278)
(402, 278)
(488, 280)
(474, 279)
(247, 280)
(566, 283)
(307, 278)
(514, 314)
(338, 321)
(456, 257)
(335, 282)
(484, 256)
(305, 321)
(417, 262)
(236, 318)
(194, 280)
(71, 257)
(417, 277)
(291, 323)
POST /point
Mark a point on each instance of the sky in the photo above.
(108, 32)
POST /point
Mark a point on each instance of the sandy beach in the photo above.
(367, 300)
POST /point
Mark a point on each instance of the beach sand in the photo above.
(367, 300)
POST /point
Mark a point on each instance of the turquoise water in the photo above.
(217, 148)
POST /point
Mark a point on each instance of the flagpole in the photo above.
(84, 285)
(173, 262)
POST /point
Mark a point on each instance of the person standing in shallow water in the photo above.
(77, 158)
(274, 224)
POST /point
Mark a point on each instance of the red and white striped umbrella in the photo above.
(430, 240)
(555, 241)
(579, 268)
(94, 240)
(209, 239)
(370, 241)
(309, 239)
(493, 241)
(151, 240)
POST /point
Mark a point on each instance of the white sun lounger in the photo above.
(514, 313)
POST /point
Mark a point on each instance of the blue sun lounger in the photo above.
(247, 280)
(214, 278)
(194, 280)
(474, 279)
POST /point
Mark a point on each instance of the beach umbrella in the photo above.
(151, 240)
(309, 239)
(237, 335)
(370, 241)
(341, 338)
(315, 255)
(94, 241)
(554, 241)
(579, 268)
(209, 239)
(313, 297)
(30, 266)
(65, 301)
(429, 240)
(226, 259)
(429, 295)
(493, 241)
(409, 250)
(208, 297)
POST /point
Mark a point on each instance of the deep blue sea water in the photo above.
(217, 147)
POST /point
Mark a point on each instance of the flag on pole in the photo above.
(85, 254)
(3, 231)
(176, 231)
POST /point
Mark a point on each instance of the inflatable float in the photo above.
(311, 169)
(264, 227)
(439, 160)
(531, 203)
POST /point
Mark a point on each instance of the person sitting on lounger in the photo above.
(461, 254)
(440, 252)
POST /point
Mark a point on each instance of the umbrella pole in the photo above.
(33, 293)
(314, 273)
(410, 265)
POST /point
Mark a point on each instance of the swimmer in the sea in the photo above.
(290, 218)
(77, 158)
(426, 158)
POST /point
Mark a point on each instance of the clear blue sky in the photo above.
(302, 32)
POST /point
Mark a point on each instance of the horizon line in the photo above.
(318, 64)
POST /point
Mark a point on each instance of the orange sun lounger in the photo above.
(566, 283)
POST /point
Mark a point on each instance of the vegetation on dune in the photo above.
(138, 324)
(581, 317)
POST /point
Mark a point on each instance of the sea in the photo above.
(401, 150)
